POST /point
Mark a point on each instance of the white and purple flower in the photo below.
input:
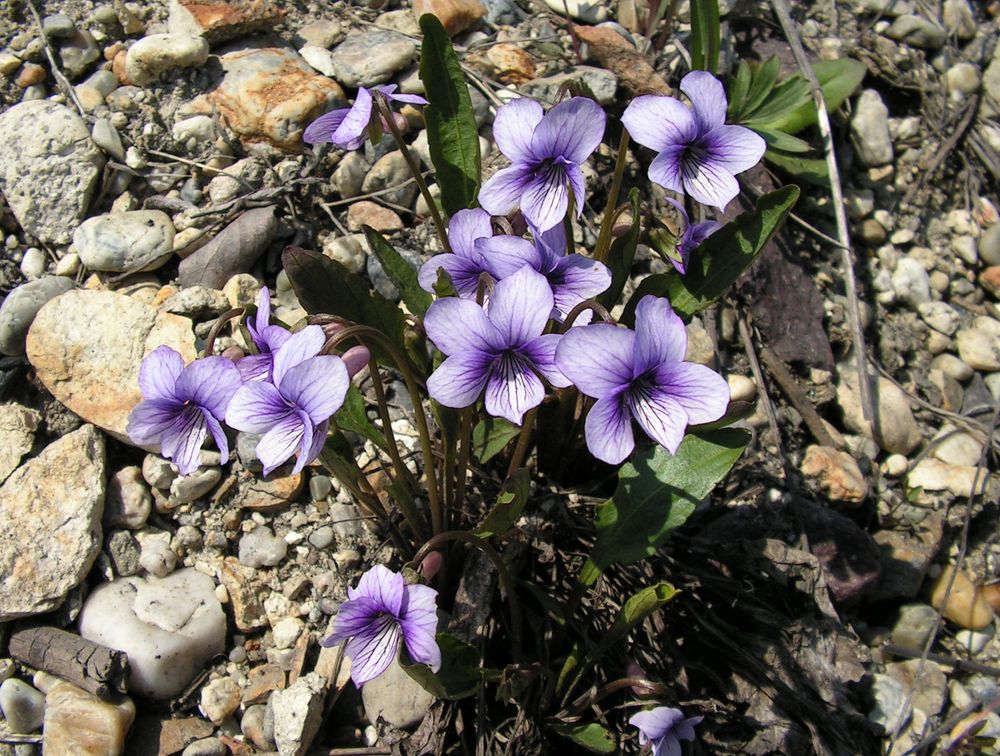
(380, 612)
(502, 351)
(348, 127)
(465, 264)
(691, 235)
(546, 151)
(664, 728)
(182, 404)
(293, 409)
(266, 337)
(640, 375)
(699, 154)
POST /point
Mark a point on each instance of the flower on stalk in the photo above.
(664, 728)
(182, 404)
(699, 154)
(546, 152)
(691, 235)
(501, 351)
(640, 375)
(266, 337)
(466, 263)
(293, 409)
(377, 614)
(348, 127)
(572, 278)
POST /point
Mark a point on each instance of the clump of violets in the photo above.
(181, 404)
(347, 128)
(699, 154)
(502, 351)
(292, 410)
(640, 375)
(546, 151)
(379, 613)
(664, 728)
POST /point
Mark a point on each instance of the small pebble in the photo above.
(261, 548)
(22, 705)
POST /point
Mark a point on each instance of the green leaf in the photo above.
(719, 260)
(325, 287)
(739, 87)
(460, 675)
(510, 503)
(337, 457)
(779, 140)
(591, 736)
(705, 37)
(490, 435)
(811, 170)
(400, 272)
(621, 255)
(838, 79)
(451, 125)
(657, 491)
(352, 417)
(635, 611)
(765, 76)
(787, 96)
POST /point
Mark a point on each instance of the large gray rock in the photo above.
(132, 241)
(371, 57)
(396, 698)
(48, 168)
(298, 712)
(50, 524)
(169, 628)
(20, 307)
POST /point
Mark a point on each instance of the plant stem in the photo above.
(506, 582)
(387, 116)
(217, 328)
(586, 304)
(522, 441)
(607, 223)
(465, 446)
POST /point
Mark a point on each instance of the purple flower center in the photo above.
(693, 157)
(551, 170)
(510, 364)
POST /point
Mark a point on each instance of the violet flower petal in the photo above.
(501, 193)
(300, 347)
(158, 373)
(513, 127)
(281, 441)
(734, 148)
(256, 408)
(505, 255)
(608, 430)
(597, 358)
(318, 441)
(419, 625)
(544, 197)
(372, 650)
(460, 379)
(464, 273)
(255, 367)
(352, 618)
(542, 353)
(464, 227)
(151, 418)
(209, 382)
(182, 442)
(320, 130)
(665, 169)
(512, 388)
(263, 319)
(574, 279)
(317, 386)
(520, 306)
(660, 416)
(708, 99)
(383, 585)
(660, 335)
(703, 393)
(659, 122)
(708, 182)
(353, 130)
(573, 129)
(218, 435)
(457, 326)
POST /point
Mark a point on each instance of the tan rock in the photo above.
(220, 20)
(837, 473)
(510, 64)
(268, 494)
(958, 480)
(270, 95)
(896, 430)
(50, 523)
(966, 606)
(78, 723)
(261, 681)
(87, 346)
(245, 590)
(619, 56)
(455, 15)
(365, 213)
(17, 435)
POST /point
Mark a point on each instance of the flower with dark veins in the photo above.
(182, 404)
(664, 728)
(378, 614)
(546, 151)
(502, 351)
(699, 154)
(640, 376)
(465, 263)
(348, 127)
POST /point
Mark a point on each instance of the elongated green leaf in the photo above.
(591, 736)
(705, 36)
(451, 124)
(400, 272)
(337, 457)
(621, 255)
(719, 260)
(765, 77)
(510, 503)
(786, 97)
(656, 493)
(352, 417)
(460, 675)
(490, 435)
(811, 170)
(838, 79)
(739, 88)
(779, 140)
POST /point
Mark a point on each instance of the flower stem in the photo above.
(387, 116)
(217, 328)
(465, 447)
(506, 582)
(522, 441)
(607, 224)
(586, 304)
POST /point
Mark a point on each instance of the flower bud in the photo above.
(356, 358)
(431, 564)
(234, 353)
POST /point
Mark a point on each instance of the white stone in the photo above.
(169, 628)
(18, 310)
(395, 697)
(973, 641)
(934, 475)
(898, 431)
(319, 58)
(134, 241)
(940, 316)
(951, 366)
(870, 130)
(910, 282)
(581, 10)
(978, 349)
(286, 631)
(155, 556)
(298, 712)
(219, 699)
(156, 54)
(261, 548)
(23, 706)
(957, 447)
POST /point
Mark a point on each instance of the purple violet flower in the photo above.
(691, 236)
(293, 410)
(266, 337)
(348, 127)
(499, 351)
(182, 404)
(466, 262)
(699, 153)
(546, 152)
(664, 727)
(640, 375)
(380, 610)
(572, 278)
